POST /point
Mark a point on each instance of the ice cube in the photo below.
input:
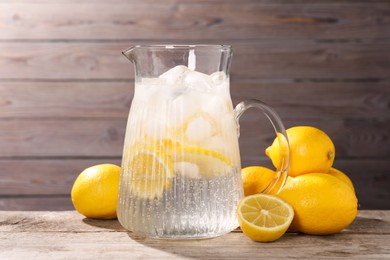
(183, 106)
(228, 146)
(218, 144)
(187, 169)
(198, 81)
(217, 106)
(218, 77)
(199, 129)
(151, 81)
(174, 75)
(154, 119)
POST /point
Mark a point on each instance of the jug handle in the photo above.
(284, 152)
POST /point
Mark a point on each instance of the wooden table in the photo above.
(68, 235)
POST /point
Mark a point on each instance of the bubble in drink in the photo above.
(218, 77)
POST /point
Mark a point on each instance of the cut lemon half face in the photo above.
(264, 218)
(151, 173)
(209, 162)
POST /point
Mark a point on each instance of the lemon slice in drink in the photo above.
(162, 146)
(209, 162)
(264, 218)
(151, 173)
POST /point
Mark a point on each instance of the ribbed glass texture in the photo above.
(181, 165)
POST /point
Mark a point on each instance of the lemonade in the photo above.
(181, 166)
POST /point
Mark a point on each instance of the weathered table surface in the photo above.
(68, 235)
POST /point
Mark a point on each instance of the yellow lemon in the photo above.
(151, 173)
(169, 145)
(166, 146)
(277, 184)
(256, 179)
(311, 150)
(209, 163)
(322, 203)
(95, 191)
(341, 176)
(264, 218)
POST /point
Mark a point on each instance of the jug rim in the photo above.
(222, 47)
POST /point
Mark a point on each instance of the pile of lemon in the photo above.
(316, 199)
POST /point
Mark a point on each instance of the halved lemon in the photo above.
(151, 173)
(264, 218)
(209, 162)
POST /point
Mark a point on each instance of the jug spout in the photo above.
(129, 53)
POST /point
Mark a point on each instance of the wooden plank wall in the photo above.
(65, 88)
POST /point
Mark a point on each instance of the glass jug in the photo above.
(181, 167)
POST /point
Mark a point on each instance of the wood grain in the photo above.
(104, 137)
(319, 100)
(68, 234)
(294, 100)
(353, 138)
(25, 177)
(33, 184)
(90, 99)
(62, 137)
(291, 59)
(371, 179)
(126, 245)
(224, 20)
(348, 135)
(34, 203)
(367, 222)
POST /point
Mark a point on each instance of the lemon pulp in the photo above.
(151, 173)
(264, 218)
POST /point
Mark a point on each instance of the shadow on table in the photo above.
(217, 247)
(234, 245)
(112, 224)
(368, 225)
(193, 248)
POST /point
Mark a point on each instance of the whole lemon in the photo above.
(256, 179)
(95, 191)
(342, 177)
(311, 150)
(322, 203)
